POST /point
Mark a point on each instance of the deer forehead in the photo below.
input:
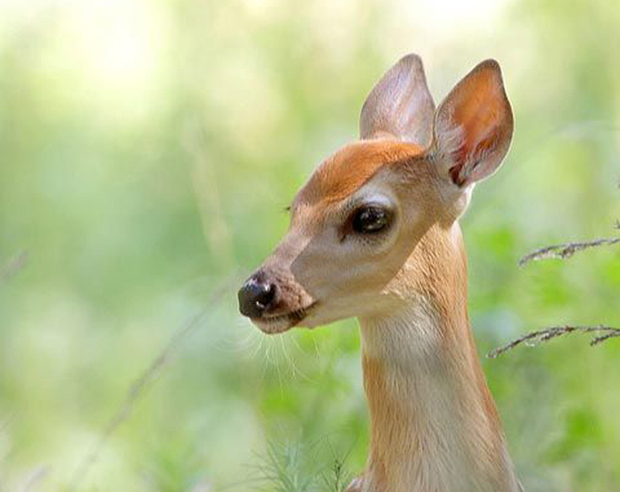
(342, 174)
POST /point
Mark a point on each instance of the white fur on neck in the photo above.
(422, 380)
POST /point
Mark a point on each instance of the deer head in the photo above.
(363, 229)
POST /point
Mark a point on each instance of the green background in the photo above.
(147, 151)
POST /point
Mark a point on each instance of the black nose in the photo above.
(256, 296)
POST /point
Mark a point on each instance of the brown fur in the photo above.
(350, 168)
(438, 269)
(434, 425)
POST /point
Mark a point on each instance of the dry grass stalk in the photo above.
(143, 382)
(602, 333)
(13, 266)
(563, 251)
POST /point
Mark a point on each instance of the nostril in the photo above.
(256, 296)
(264, 298)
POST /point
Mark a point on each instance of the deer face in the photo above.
(357, 222)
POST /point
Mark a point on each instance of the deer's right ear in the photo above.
(473, 126)
(400, 105)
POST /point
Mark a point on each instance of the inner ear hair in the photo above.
(473, 126)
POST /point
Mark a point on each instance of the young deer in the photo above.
(374, 234)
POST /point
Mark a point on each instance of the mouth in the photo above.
(282, 322)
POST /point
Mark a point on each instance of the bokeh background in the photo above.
(147, 151)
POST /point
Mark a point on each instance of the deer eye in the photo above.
(370, 219)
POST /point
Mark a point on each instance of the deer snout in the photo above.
(273, 300)
(257, 295)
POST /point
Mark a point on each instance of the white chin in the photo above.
(272, 327)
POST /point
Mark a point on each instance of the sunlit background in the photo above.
(147, 151)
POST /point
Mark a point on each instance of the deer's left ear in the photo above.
(400, 105)
(473, 126)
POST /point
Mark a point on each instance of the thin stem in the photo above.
(141, 384)
(13, 266)
(563, 251)
(536, 337)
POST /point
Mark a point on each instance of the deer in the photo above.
(374, 234)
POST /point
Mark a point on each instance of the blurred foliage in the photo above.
(148, 148)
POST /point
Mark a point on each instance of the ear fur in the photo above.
(400, 105)
(473, 126)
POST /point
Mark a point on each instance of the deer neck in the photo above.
(434, 425)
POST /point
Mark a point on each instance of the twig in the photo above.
(141, 384)
(567, 250)
(6, 423)
(537, 337)
(13, 266)
(36, 478)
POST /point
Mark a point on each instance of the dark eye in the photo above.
(371, 219)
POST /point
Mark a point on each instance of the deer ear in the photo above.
(473, 126)
(400, 105)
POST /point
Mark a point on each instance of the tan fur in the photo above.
(478, 110)
(400, 105)
(434, 425)
(402, 427)
(350, 167)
